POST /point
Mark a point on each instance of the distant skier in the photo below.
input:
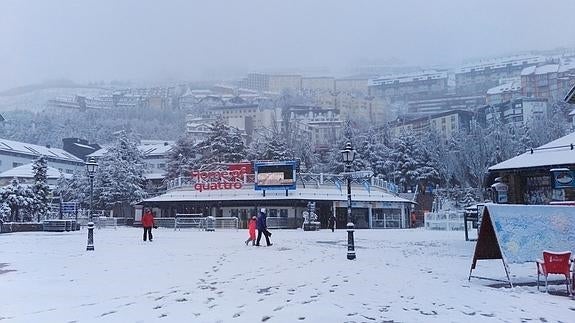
(252, 223)
(263, 228)
(148, 224)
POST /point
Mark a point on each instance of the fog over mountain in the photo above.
(192, 40)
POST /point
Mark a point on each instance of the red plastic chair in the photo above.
(558, 263)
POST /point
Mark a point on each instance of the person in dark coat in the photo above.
(263, 228)
(331, 222)
(148, 224)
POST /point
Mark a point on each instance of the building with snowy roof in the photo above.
(479, 77)
(540, 175)
(374, 205)
(550, 81)
(420, 85)
(15, 153)
(155, 154)
(25, 175)
(503, 92)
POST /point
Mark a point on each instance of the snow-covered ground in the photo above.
(190, 275)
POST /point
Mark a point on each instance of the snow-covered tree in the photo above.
(404, 162)
(181, 158)
(119, 178)
(223, 145)
(18, 198)
(40, 188)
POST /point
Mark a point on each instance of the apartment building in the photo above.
(445, 103)
(319, 126)
(476, 79)
(503, 92)
(446, 124)
(319, 84)
(551, 81)
(404, 87)
(517, 111)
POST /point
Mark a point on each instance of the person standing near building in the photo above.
(331, 222)
(148, 224)
(413, 219)
(252, 223)
(263, 228)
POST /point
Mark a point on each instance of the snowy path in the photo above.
(399, 276)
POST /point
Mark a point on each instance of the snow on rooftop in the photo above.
(148, 149)
(247, 193)
(408, 77)
(37, 150)
(507, 87)
(26, 171)
(556, 152)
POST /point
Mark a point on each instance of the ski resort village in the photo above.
(287, 161)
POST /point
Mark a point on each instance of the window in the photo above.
(162, 166)
(15, 164)
(283, 213)
(69, 171)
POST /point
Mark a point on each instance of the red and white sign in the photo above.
(219, 180)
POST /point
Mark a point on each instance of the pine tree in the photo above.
(40, 189)
(19, 199)
(119, 179)
(223, 145)
(405, 166)
(180, 158)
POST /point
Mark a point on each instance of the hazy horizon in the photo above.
(194, 40)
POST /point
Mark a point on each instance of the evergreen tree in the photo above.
(405, 165)
(223, 145)
(119, 179)
(180, 158)
(19, 199)
(40, 189)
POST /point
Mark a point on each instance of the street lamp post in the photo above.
(91, 166)
(348, 155)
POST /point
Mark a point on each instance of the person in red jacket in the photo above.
(148, 224)
(252, 223)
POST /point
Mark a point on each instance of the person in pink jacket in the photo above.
(252, 230)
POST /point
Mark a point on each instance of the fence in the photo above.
(280, 222)
(105, 222)
(444, 220)
(193, 221)
(188, 221)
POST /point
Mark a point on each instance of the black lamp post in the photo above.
(91, 166)
(348, 155)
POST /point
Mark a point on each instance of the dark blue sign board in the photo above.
(275, 175)
(69, 207)
(563, 178)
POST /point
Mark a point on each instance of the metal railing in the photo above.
(444, 220)
(311, 179)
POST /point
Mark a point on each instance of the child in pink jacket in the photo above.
(252, 230)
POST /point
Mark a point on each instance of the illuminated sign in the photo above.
(275, 175)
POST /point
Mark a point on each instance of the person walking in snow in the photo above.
(148, 224)
(263, 228)
(252, 223)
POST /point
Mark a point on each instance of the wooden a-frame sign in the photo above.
(487, 246)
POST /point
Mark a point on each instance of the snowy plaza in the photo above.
(197, 276)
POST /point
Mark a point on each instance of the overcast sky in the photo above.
(189, 40)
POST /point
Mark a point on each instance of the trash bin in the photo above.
(210, 224)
